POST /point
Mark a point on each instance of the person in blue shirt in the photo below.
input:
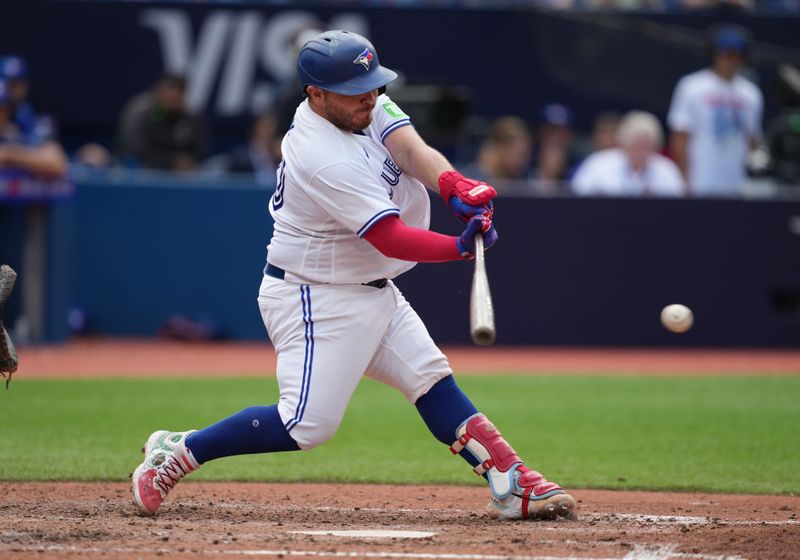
(28, 141)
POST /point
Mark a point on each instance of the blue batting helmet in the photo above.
(342, 62)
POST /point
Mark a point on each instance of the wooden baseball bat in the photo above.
(480, 304)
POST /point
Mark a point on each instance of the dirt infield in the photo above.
(218, 520)
(215, 520)
(153, 358)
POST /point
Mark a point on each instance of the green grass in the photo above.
(717, 434)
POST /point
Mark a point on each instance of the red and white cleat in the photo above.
(533, 497)
(166, 461)
(517, 491)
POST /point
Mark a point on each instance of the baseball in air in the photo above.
(677, 318)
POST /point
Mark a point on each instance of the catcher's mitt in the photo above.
(8, 354)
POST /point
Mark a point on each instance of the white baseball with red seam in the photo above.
(677, 318)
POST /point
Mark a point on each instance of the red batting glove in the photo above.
(470, 191)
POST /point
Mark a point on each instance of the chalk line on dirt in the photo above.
(639, 552)
(370, 534)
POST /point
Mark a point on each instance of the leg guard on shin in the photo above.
(517, 491)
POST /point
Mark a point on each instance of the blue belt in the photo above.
(274, 271)
(280, 274)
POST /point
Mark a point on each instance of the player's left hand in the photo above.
(468, 191)
(476, 224)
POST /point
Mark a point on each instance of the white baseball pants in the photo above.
(328, 336)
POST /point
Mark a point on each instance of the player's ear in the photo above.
(314, 92)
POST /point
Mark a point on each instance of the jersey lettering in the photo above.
(391, 172)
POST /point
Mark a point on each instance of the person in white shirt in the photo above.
(351, 213)
(715, 117)
(633, 169)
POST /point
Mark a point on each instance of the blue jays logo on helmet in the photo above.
(364, 59)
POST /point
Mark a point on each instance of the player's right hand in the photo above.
(465, 212)
(477, 224)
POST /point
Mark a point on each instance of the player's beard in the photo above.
(348, 120)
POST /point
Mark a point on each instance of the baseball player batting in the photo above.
(351, 213)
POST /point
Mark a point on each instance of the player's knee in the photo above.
(311, 437)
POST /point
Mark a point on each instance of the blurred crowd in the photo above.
(616, 5)
(752, 6)
(715, 140)
(711, 144)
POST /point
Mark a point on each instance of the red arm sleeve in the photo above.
(395, 239)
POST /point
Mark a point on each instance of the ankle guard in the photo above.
(503, 468)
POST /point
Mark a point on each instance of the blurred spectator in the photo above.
(783, 132)
(604, 131)
(14, 70)
(554, 140)
(8, 129)
(633, 169)
(505, 154)
(555, 126)
(603, 136)
(158, 132)
(93, 155)
(715, 117)
(259, 157)
(784, 147)
(27, 141)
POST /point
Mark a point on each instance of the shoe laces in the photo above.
(169, 472)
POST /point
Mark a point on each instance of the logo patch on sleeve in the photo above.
(393, 110)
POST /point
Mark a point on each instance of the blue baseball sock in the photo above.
(257, 429)
(443, 409)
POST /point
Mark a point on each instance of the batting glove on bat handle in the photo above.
(477, 224)
(469, 191)
(464, 211)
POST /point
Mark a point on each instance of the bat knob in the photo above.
(483, 337)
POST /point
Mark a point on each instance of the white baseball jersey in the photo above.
(608, 172)
(333, 185)
(328, 329)
(721, 117)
